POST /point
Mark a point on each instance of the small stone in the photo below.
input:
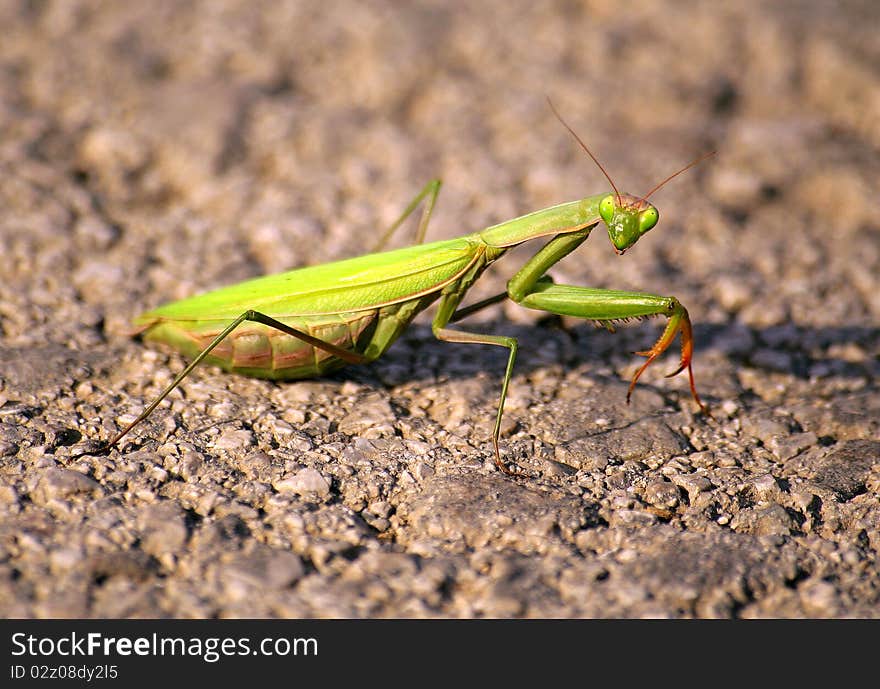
(768, 521)
(234, 440)
(205, 502)
(163, 527)
(417, 447)
(256, 464)
(632, 518)
(585, 539)
(693, 484)
(423, 471)
(789, 446)
(621, 500)
(764, 487)
(65, 559)
(819, 598)
(369, 415)
(8, 493)
(305, 482)
(380, 508)
(729, 407)
(625, 555)
(191, 465)
(803, 499)
(846, 469)
(662, 494)
(379, 523)
(262, 568)
(732, 294)
(557, 470)
(765, 429)
(45, 461)
(63, 483)
(735, 187)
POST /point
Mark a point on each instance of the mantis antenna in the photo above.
(676, 174)
(584, 146)
(605, 172)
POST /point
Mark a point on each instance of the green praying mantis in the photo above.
(310, 321)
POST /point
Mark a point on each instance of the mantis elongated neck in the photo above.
(566, 217)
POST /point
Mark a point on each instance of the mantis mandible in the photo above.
(310, 321)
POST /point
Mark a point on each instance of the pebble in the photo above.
(304, 482)
(819, 598)
(693, 484)
(423, 471)
(766, 429)
(163, 527)
(637, 518)
(787, 446)
(764, 486)
(772, 520)
(234, 440)
(66, 558)
(662, 494)
(56, 483)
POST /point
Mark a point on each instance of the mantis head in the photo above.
(627, 219)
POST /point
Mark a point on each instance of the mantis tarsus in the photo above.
(309, 321)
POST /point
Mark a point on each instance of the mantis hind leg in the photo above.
(430, 192)
(254, 317)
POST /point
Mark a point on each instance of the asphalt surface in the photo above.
(149, 151)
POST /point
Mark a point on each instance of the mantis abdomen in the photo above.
(258, 350)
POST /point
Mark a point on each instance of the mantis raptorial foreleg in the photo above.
(607, 306)
(531, 288)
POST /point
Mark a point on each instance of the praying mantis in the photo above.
(309, 321)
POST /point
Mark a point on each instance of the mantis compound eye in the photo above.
(606, 208)
(647, 219)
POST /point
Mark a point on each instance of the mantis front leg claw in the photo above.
(679, 321)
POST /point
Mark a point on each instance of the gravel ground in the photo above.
(149, 151)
